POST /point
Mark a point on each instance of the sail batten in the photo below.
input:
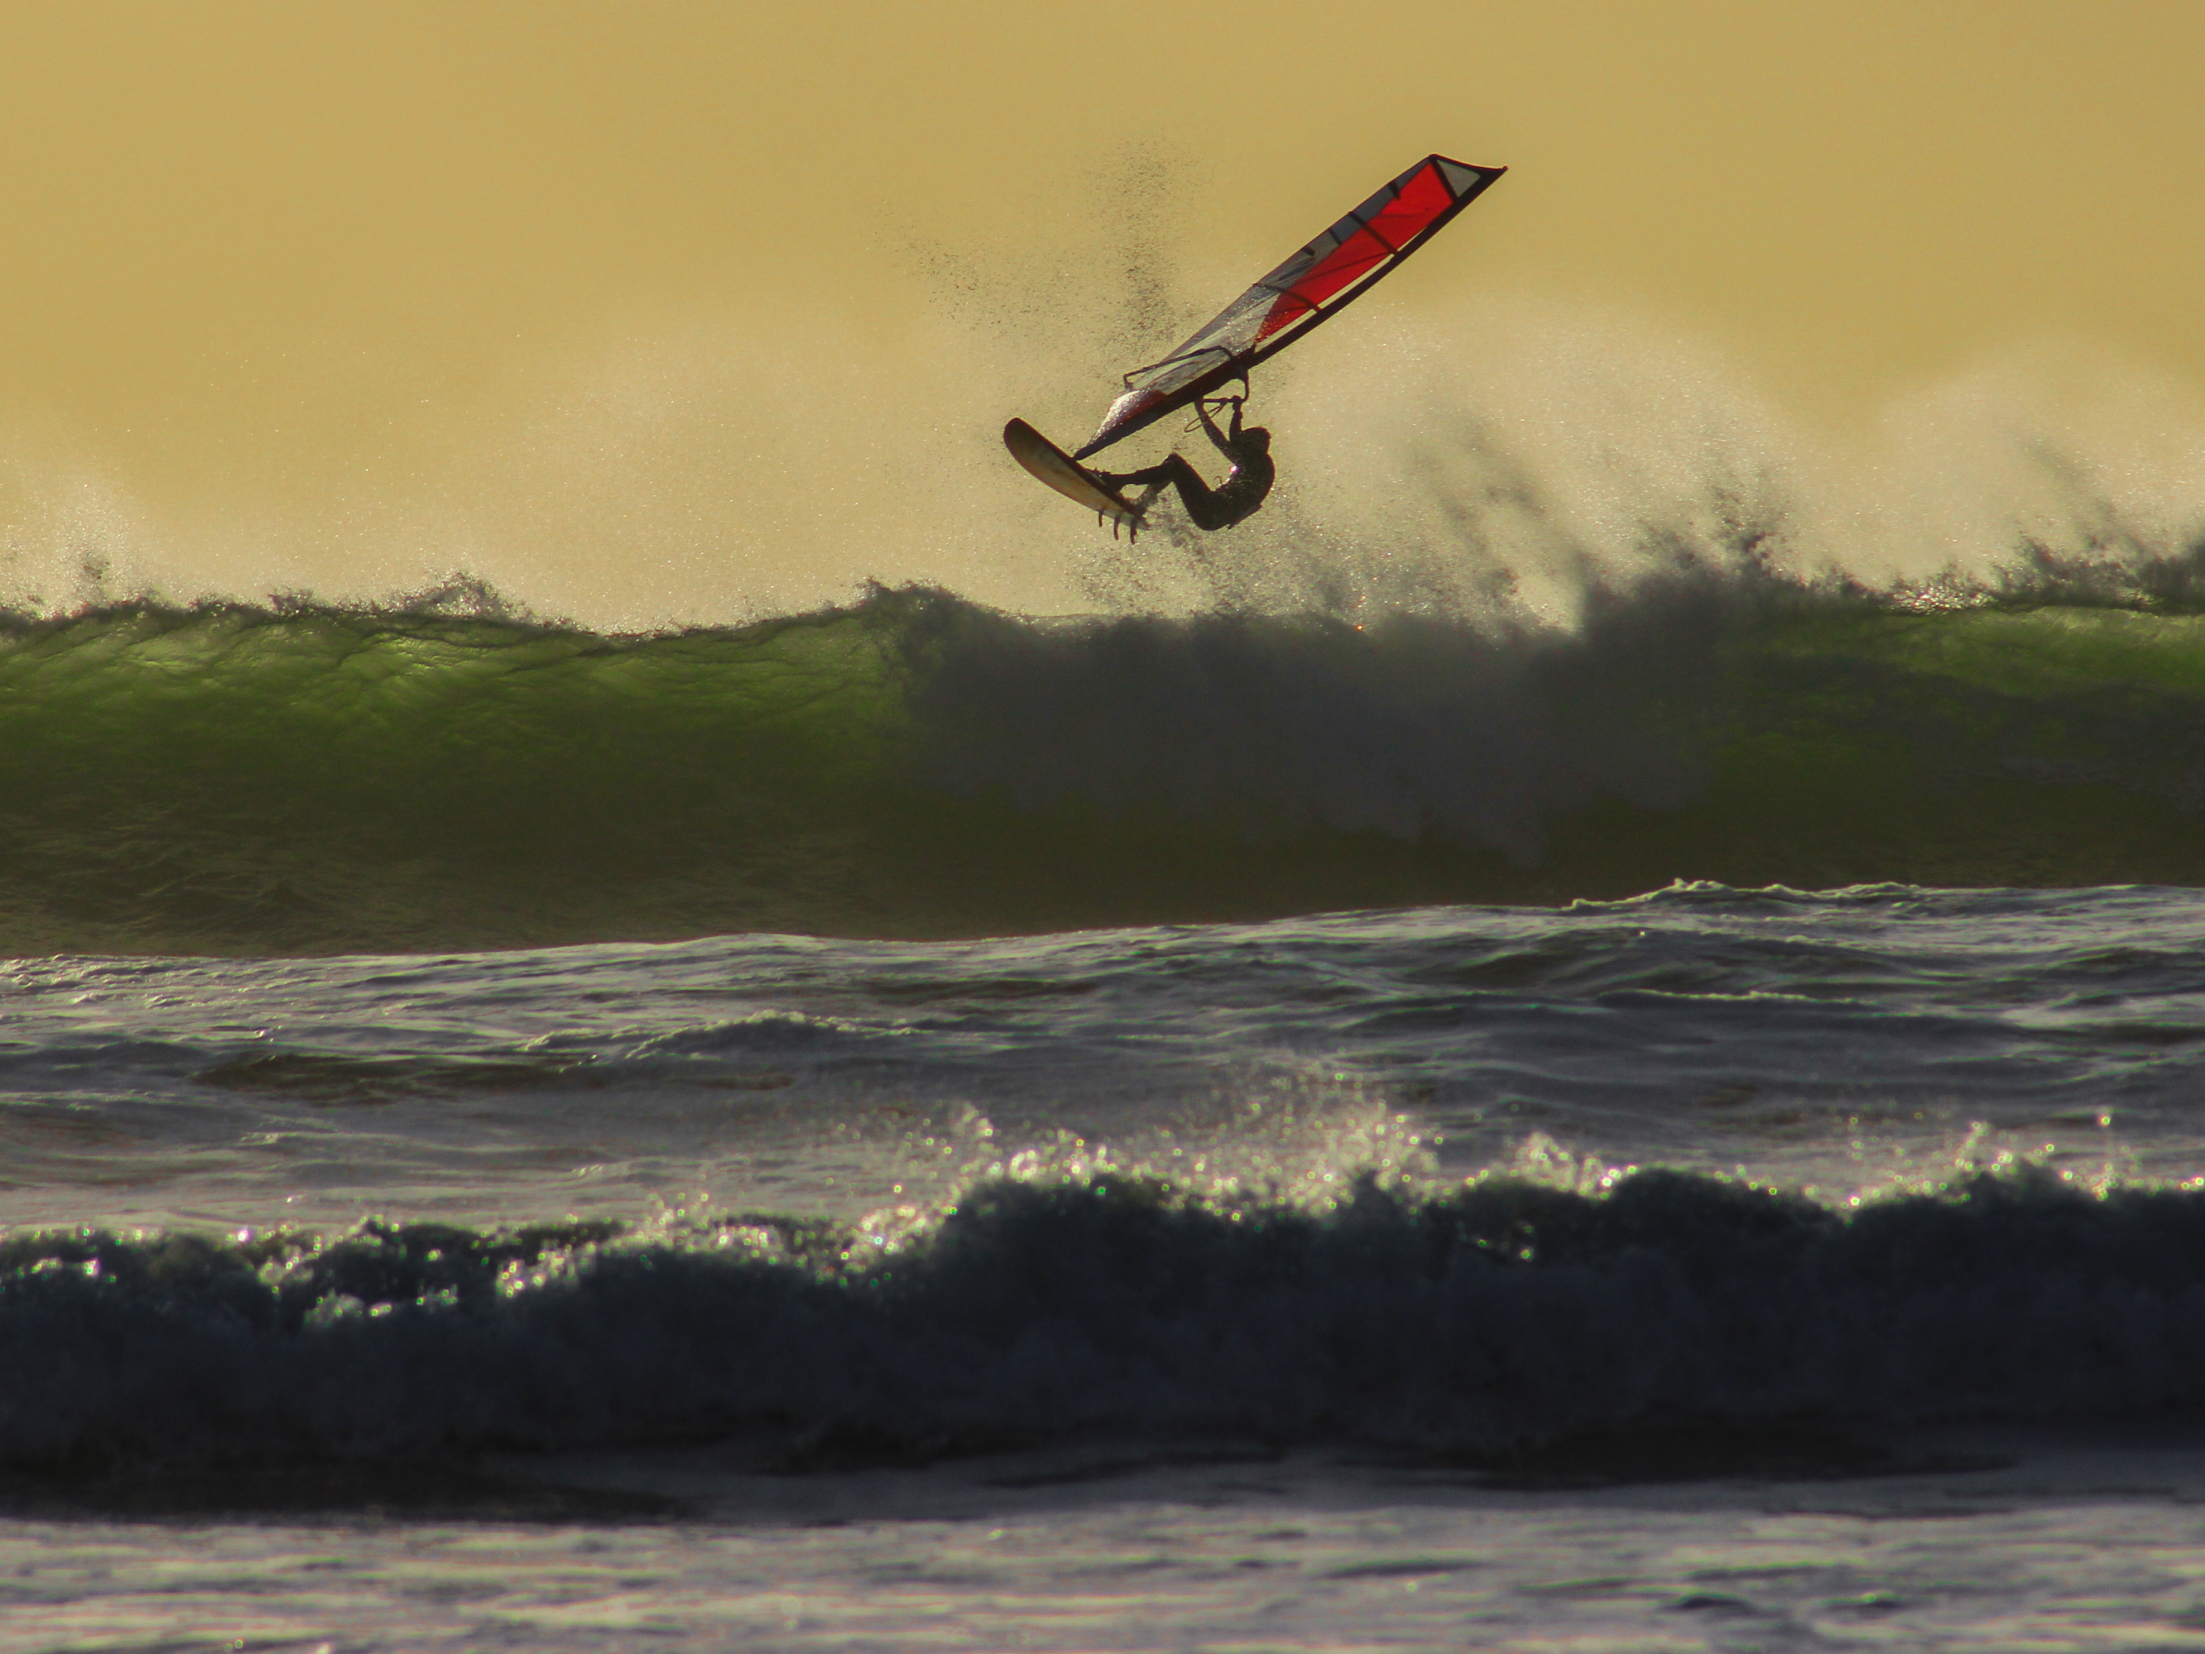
(1330, 272)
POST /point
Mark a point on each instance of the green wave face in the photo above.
(243, 780)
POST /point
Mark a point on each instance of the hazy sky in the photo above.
(255, 246)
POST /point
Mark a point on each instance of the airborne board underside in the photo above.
(1060, 471)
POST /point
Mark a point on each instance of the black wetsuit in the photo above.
(1232, 500)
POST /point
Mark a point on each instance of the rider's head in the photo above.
(1256, 437)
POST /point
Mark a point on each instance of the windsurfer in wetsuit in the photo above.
(1232, 500)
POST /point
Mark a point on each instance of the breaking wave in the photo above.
(311, 778)
(1500, 1316)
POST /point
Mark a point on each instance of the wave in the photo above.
(307, 778)
(1494, 1318)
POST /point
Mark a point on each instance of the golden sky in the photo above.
(253, 247)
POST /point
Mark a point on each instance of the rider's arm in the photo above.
(1224, 443)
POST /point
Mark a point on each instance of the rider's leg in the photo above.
(1194, 494)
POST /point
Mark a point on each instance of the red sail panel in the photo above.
(1423, 197)
(1347, 264)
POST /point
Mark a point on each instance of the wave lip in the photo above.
(1487, 1321)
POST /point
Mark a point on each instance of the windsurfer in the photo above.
(1231, 501)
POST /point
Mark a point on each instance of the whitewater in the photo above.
(1543, 1052)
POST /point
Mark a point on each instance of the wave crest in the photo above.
(310, 778)
(1503, 1315)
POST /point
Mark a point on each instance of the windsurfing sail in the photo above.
(1316, 283)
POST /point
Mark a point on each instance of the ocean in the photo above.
(911, 1124)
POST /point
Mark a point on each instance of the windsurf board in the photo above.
(1068, 477)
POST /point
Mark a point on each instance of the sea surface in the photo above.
(915, 1126)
